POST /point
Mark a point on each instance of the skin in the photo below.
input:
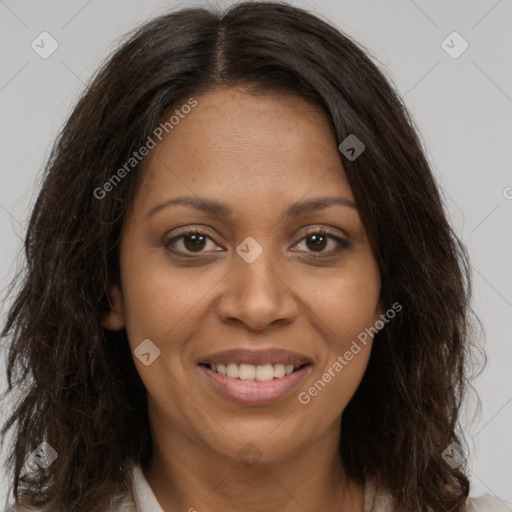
(258, 155)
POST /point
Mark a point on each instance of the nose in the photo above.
(257, 295)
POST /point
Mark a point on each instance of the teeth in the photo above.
(279, 371)
(260, 373)
(265, 372)
(246, 372)
(233, 371)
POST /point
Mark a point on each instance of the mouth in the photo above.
(255, 377)
(259, 385)
(251, 372)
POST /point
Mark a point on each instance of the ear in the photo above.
(114, 320)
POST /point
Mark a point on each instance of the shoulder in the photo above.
(125, 505)
(378, 500)
(128, 507)
(118, 502)
(488, 503)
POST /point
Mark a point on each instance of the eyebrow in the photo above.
(215, 208)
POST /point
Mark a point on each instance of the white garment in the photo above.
(143, 500)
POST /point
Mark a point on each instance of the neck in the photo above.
(186, 476)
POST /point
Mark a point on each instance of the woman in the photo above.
(242, 291)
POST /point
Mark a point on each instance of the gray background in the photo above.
(462, 106)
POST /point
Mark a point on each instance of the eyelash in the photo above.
(342, 243)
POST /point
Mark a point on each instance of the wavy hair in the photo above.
(77, 385)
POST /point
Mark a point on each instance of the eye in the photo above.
(192, 241)
(318, 239)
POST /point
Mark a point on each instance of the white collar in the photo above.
(143, 496)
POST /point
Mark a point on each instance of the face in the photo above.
(267, 266)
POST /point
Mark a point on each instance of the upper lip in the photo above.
(257, 357)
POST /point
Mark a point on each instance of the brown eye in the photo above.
(192, 241)
(317, 241)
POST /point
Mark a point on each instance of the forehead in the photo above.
(270, 146)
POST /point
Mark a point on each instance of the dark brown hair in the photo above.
(78, 386)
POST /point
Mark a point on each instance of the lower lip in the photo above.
(253, 392)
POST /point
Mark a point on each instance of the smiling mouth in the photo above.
(250, 372)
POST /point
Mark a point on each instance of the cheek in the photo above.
(346, 312)
(155, 299)
(346, 303)
(326, 396)
(346, 307)
(164, 303)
